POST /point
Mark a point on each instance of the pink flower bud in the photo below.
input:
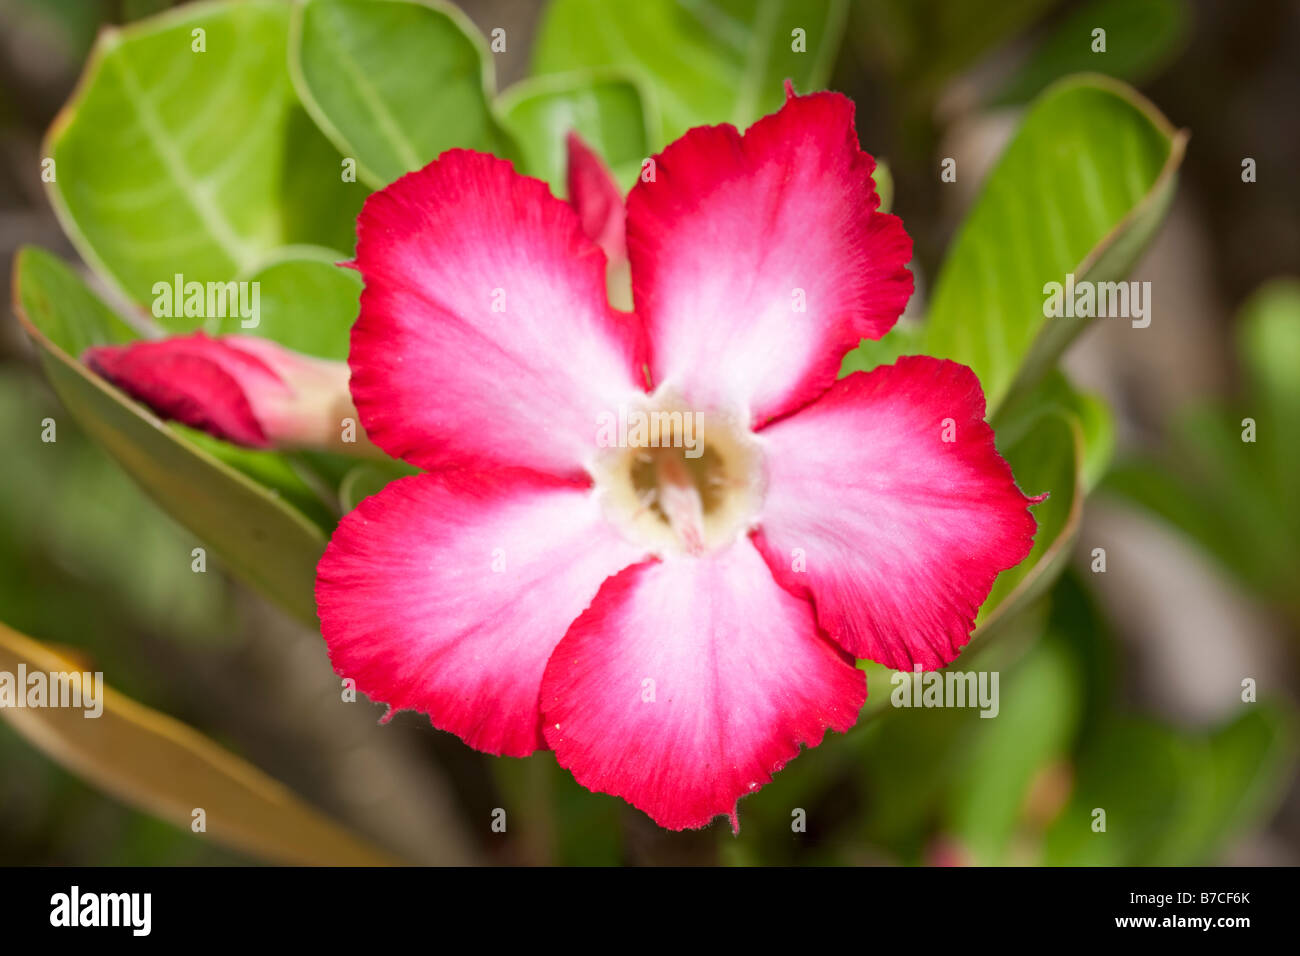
(596, 197)
(246, 390)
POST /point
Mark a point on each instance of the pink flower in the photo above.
(240, 388)
(673, 626)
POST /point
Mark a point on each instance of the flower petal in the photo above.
(446, 593)
(736, 234)
(484, 303)
(689, 682)
(889, 506)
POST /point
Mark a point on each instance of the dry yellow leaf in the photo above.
(167, 769)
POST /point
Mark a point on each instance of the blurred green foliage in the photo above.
(66, 508)
(1227, 476)
(1146, 35)
(702, 63)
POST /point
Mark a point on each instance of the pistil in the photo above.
(680, 501)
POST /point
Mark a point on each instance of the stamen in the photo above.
(681, 503)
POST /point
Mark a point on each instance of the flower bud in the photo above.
(243, 389)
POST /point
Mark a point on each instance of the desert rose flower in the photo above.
(240, 388)
(673, 618)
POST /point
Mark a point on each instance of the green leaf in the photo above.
(1048, 457)
(884, 180)
(903, 339)
(1091, 411)
(1080, 190)
(78, 319)
(266, 541)
(173, 161)
(702, 61)
(604, 107)
(394, 83)
(307, 301)
(297, 485)
(1141, 37)
(370, 478)
(1098, 426)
